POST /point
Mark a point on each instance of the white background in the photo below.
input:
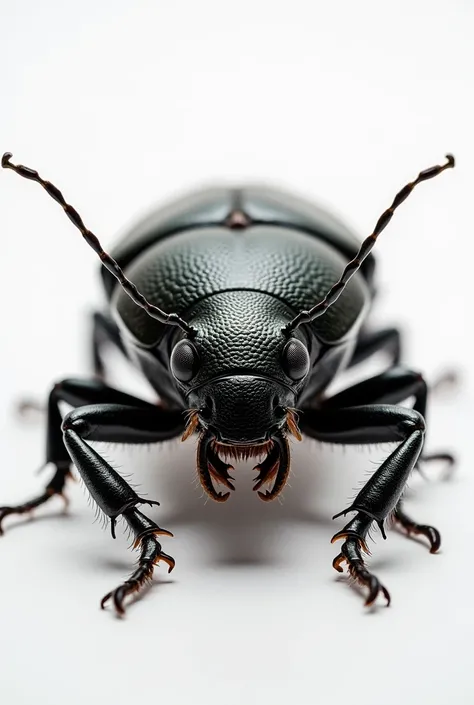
(124, 104)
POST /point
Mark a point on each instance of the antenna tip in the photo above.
(451, 161)
(6, 160)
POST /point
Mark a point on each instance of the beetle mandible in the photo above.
(239, 306)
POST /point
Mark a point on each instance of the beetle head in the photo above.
(241, 378)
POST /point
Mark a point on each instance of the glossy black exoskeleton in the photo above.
(268, 297)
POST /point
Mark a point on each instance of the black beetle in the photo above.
(269, 296)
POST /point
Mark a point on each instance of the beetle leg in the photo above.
(380, 495)
(411, 527)
(104, 331)
(75, 392)
(354, 534)
(447, 459)
(112, 494)
(54, 488)
(391, 387)
(370, 343)
(145, 532)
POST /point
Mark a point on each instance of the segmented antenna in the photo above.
(114, 268)
(354, 265)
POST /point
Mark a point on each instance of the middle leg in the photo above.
(370, 342)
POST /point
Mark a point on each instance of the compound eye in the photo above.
(295, 359)
(184, 361)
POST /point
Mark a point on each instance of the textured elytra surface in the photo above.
(298, 269)
(208, 206)
(212, 206)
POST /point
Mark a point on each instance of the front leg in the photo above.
(380, 495)
(113, 495)
(392, 387)
(76, 392)
(145, 532)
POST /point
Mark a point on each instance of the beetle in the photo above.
(240, 306)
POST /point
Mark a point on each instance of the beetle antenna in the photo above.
(109, 262)
(354, 265)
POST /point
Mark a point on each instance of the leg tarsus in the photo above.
(354, 544)
(412, 527)
(448, 381)
(448, 459)
(54, 488)
(29, 407)
(365, 413)
(116, 422)
(151, 553)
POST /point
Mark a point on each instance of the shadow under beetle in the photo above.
(268, 297)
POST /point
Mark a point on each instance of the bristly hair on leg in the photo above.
(99, 516)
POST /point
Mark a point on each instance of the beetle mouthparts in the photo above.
(212, 466)
(292, 424)
(192, 424)
(276, 466)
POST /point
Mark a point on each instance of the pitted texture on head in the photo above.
(239, 332)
